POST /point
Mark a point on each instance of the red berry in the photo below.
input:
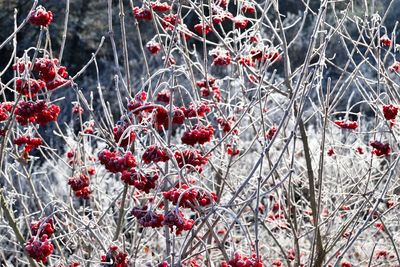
(199, 134)
(177, 219)
(164, 96)
(41, 17)
(115, 163)
(390, 112)
(153, 47)
(29, 88)
(346, 124)
(144, 181)
(395, 67)
(155, 154)
(160, 7)
(142, 13)
(190, 157)
(202, 28)
(169, 22)
(39, 248)
(221, 57)
(380, 149)
(148, 218)
(385, 40)
(240, 22)
(117, 257)
(248, 8)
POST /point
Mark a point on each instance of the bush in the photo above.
(227, 134)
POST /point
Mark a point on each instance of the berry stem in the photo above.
(121, 213)
(12, 223)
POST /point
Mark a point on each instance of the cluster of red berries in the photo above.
(271, 55)
(30, 87)
(175, 218)
(385, 40)
(209, 88)
(29, 143)
(154, 154)
(178, 116)
(202, 28)
(190, 157)
(199, 134)
(39, 112)
(271, 132)
(39, 246)
(50, 72)
(115, 163)
(220, 16)
(5, 108)
(41, 17)
(22, 65)
(247, 61)
(148, 218)
(46, 227)
(160, 7)
(196, 110)
(212, 92)
(256, 54)
(232, 150)
(240, 22)
(80, 185)
(142, 13)
(139, 106)
(221, 57)
(169, 22)
(206, 83)
(189, 197)
(239, 260)
(139, 101)
(395, 67)
(164, 96)
(119, 131)
(160, 115)
(142, 181)
(227, 124)
(248, 8)
(153, 47)
(347, 124)
(160, 118)
(116, 257)
(77, 109)
(390, 112)
(380, 149)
